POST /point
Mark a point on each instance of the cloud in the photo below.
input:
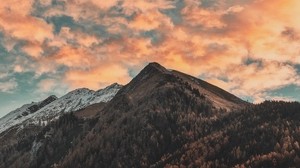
(105, 4)
(25, 28)
(81, 38)
(8, 86)
(18, 69)
(98, 77)
(47, 85)
(195, 16)
(51, 85)
(22, 8)
(3, 75)
(150, 21)
(8, 82)
(235, 9)
(147, 5)
(272, 75)
(33, 49)
(74, 58)
(45, 2)
(18, 25)
(89, 43)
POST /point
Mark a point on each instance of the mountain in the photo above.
(39, 113)
(155, 85)
(165, 118)
(153, 114)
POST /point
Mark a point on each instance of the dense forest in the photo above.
(263, 135)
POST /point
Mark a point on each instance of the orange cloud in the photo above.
(22, 8)
(196, 16)
(18, 68)
(74, 58)
(229, 36)
(259, 27)
(25, 28)
(17, 23)
(95, 78)
(82, 9)
(105, 4)
(147, 5)
(214, 41)
(33, 49)
(150, 20)
(254, 79)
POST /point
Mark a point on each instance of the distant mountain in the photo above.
(164, 118)
(38, 113)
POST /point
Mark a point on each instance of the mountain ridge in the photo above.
(72, 101)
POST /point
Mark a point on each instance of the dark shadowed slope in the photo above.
(154, 78)
(218, 96)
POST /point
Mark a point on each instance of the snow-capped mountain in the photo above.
(52, 107)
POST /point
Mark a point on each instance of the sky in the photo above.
(250, 48)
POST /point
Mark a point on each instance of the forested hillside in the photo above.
(264, 135)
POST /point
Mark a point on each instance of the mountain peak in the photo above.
(154, 66)
(152, 70)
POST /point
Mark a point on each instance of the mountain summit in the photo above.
(155, 78)
(154, 66)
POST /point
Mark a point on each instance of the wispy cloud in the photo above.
(8, 86)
